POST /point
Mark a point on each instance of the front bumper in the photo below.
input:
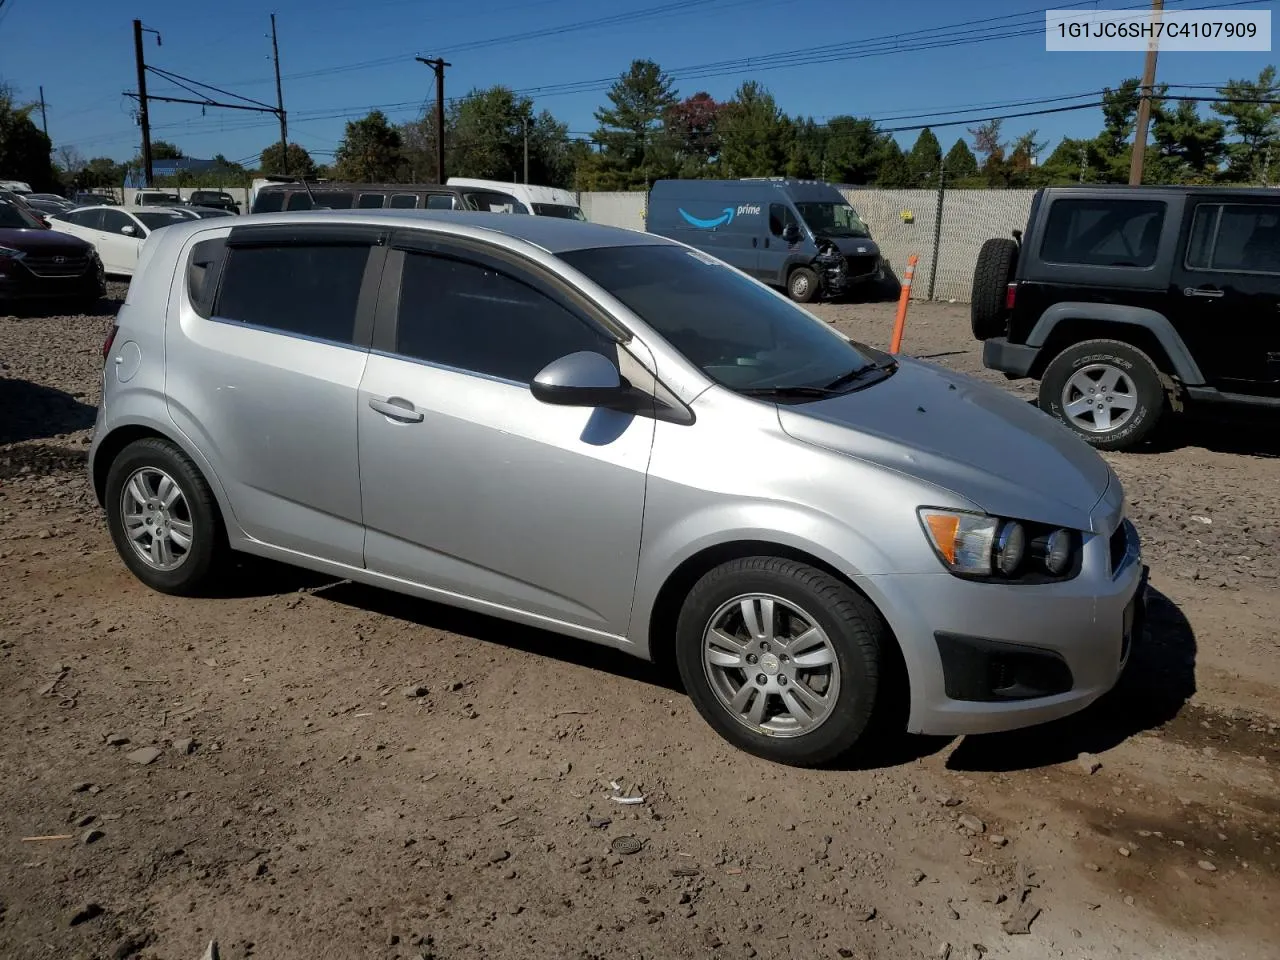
(1027, 654)
(19, 283)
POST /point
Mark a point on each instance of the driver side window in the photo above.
(114, 221)
(470, 317)
(780, 216)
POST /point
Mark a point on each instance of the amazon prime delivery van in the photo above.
(800, 235)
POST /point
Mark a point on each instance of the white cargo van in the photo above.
(539, 201)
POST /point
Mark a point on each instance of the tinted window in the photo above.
(440, 201)
(473, 318)
(1103, 233)
(155, 219)
(1236, 237)
(269, 201)
(779, 216)
(738, 332)
(85, 218)
(493, 202)
(562, 210)
(370, 201)
(114, 221)
(14, 217)
(298, 200)
(403, 201)
(307, 290)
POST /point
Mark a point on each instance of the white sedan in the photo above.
(117, 234)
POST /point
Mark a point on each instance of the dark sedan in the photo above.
(37, 263)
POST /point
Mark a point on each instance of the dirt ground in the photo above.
(307, 800)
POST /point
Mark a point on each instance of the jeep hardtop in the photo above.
(1129, 302)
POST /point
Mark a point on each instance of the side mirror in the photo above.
(129, 230)
(791, 233)
(583, 379)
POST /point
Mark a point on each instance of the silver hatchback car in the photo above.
(621, 439)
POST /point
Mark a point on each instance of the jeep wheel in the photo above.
(802, 285)
(1107, 391)
(997, 260)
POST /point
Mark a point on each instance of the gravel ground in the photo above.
(341, 772)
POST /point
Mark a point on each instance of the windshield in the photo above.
(562, 210)
(739, 333)
(13, 217)
(833, 219)
(155, 219)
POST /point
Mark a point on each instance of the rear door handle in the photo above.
(396, 408)
(1201, 292)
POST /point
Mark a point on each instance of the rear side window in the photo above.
(403, 201)
(269, 201)
(298, 201)
(370, 201)
(474, 318)
(440, 201)
(1235, 237)
(309, 291)
(1103, 233)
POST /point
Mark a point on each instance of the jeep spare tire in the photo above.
(991, 278)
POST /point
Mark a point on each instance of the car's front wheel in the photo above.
(163, 517)
(802, 285)
(782, 659)
(1107, 391)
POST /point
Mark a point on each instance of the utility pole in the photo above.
(438, 66)
(44, 121)
(284, 124)
(525, 121)
(144, 118)
(937, 225)
(1084, 161)
(1144, 105)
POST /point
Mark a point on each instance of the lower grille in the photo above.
(861, 266)
(56, 266)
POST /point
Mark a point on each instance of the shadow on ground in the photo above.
(1158, 682)
(32, 411)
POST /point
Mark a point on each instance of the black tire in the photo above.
(802, 285)
(1136, 367)
(997, 260)
(858, 636)
(197, 570)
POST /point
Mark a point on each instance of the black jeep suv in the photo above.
(1126, 302)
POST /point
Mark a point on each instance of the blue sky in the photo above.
(344, 56)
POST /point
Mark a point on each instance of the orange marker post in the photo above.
(900, 321)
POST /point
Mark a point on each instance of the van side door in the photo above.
(263, 364)
(777, 251)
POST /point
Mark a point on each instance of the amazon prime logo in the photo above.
(725, 218)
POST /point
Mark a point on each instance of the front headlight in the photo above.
(982, 547)
(8, 253)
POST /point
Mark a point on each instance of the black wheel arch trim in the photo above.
(1184, 365)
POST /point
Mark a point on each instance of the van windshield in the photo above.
(833, 219)
(738, 332)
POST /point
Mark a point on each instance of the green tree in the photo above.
(962, 165)
(807, 149)
(25, 152)
(894, 171)
(102, 172)
(300, 162)
(755, 135)
(924, 159)
(164, 150)
(1065, 165)
(855, 150)
(692, 136)
(630, 129)
(1186, 148)
(370, 150)
(1255, 126)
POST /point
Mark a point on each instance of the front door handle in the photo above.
(1201, 292)
(396, 408)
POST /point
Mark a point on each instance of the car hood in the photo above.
(854, 246)
(42, 242)
(976, 440)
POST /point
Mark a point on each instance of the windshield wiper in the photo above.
(788, 391)
(847, 378)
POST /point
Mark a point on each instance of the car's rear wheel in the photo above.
(1107, 391)
(782, 659)
(802, 285)
(163, 517)
(997, 260)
